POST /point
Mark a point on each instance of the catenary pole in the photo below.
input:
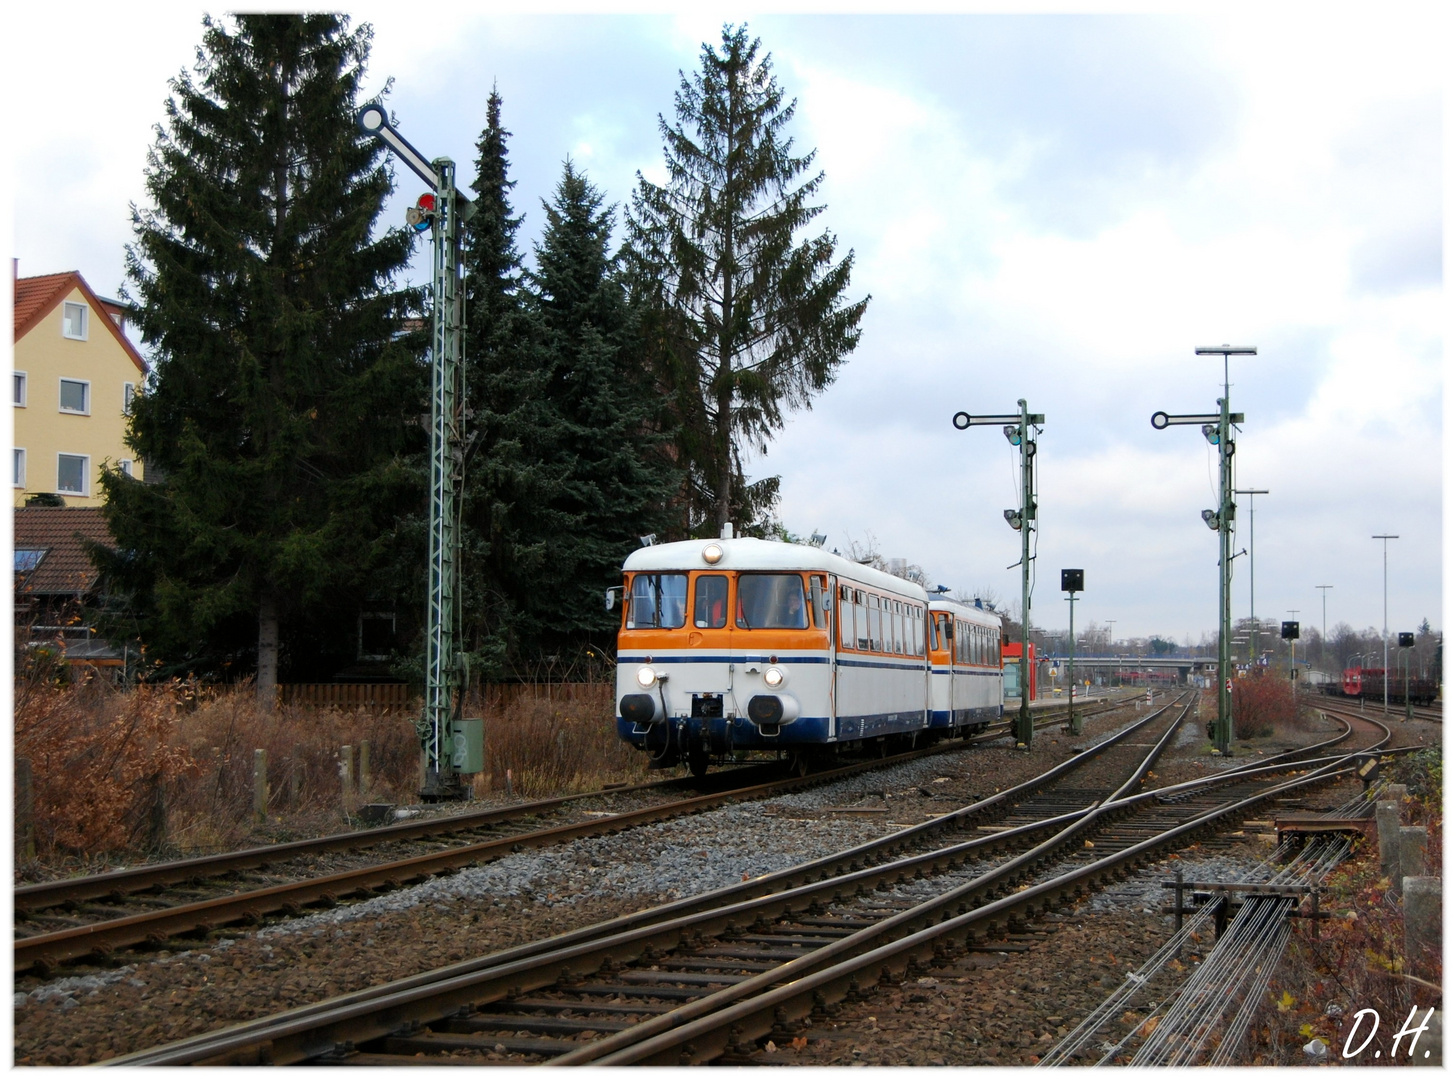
(1385, 539)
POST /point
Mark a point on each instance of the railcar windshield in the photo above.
(710, 603)
(771, 602)
(659, 601)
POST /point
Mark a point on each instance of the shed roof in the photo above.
(64, 569)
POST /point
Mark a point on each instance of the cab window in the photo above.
(771, 602)
(710, 601)
(818, 597)
(659, 601)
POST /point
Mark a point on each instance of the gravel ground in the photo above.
(531, 895)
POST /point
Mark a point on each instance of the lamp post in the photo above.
(1020, 430)
(1385, 539)
(1071, 585)
(1324, 642)
(1217, 429)
(1253, 624)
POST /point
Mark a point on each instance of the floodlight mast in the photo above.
(1020, 429)
(1217, 428)
(445, 676)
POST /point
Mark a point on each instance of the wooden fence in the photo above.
(494, 697)
(382, 696)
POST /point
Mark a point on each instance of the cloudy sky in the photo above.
(1059, 208)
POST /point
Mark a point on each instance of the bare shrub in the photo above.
(97, 757)
(1262, 705)
(119, 773)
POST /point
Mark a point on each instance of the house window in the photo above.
(73, 321)
(75, 396)
(18, 390)
(125, 466)
(71, 473)
(128, 391)
(19, 467)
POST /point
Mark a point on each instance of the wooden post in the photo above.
(346, 775)
(295, 781)
(363, 766)
(157, 826)
(260, 787)
(24, 808)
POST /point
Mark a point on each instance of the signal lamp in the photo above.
(1210, 432)
(1013, 518)
(1013, 434)
(1210, 518)
(422, 214)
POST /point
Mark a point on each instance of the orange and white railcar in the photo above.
(965, 668)
(750, 645)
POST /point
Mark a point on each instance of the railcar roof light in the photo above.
(712, 554)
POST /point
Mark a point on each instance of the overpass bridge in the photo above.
(1135, 669)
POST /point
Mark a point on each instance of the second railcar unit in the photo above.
(737, 645)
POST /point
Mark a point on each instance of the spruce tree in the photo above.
(282, 402)
(746, 320)
(616, 478)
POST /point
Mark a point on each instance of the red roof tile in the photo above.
(36, 297)
(65, 569)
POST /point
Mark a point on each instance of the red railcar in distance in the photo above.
(1369, 684)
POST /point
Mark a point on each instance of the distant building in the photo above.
(74, 379)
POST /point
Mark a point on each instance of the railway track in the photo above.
(95, 916)
(640, 979)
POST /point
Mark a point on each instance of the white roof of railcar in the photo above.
(750, 553)
(970, 614)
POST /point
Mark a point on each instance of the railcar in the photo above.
(1369, 684)
(966, 691)
(744, 645)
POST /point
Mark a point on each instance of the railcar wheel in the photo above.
(799, 765)
(698, 763)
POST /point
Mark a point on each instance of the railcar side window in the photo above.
(710, 601)
(846, 617)
(897, 623)
(659, 601)
(771, 602)
(861, 619)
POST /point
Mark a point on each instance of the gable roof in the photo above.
(37, 297)
(64, 570)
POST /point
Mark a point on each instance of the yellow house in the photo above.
(75, 374)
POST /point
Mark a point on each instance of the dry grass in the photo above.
(168, 770)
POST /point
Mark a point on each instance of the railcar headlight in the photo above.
(712, 554)
(773, 678)
(646, 677)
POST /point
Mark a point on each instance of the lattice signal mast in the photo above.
(442, 210)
